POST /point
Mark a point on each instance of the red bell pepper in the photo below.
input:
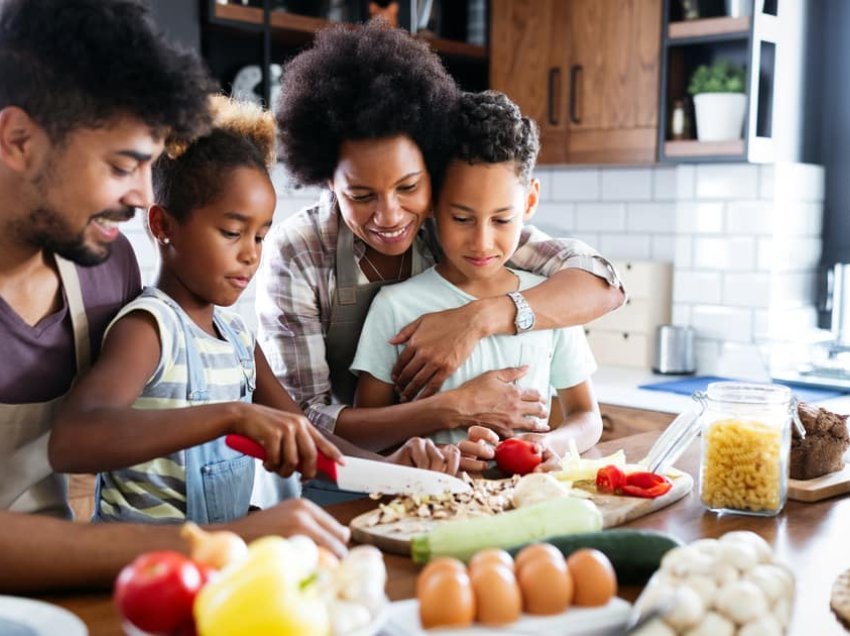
(611, 479)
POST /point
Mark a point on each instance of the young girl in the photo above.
(173, 348)
(486, 195)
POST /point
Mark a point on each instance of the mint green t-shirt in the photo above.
(557, 358)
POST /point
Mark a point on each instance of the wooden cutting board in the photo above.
(395, 537)
(823, 487)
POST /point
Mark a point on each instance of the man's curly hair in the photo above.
(189, 176)
(491, 129)
(368, 82)
(81, 63)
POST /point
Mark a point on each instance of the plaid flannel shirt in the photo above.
(296, 284)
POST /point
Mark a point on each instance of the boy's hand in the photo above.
(295, 516)
(494, 400)
(290, 441)
(420, 452)
(437, 344)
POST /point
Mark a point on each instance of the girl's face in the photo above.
(383, 190)
(213, 254)
(480, 214)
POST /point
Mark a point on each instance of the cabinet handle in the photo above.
(554, 76)
(575, 69)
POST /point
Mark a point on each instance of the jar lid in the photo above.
(676, 437)
(749, 393)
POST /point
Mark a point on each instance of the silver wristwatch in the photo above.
(524, 319)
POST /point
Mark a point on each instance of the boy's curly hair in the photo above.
(81, 63)
(491, 129)
(367, 82)
(190, 175)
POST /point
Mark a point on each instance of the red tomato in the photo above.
(156, 591)
(518, 456)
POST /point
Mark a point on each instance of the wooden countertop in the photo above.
(811, 538)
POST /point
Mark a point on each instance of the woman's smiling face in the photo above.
(383, 190)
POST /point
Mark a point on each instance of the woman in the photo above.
(365, 113)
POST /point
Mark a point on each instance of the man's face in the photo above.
(86, 184)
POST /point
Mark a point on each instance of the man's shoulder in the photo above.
(117, 276)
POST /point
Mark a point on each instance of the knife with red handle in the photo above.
(367, 475)
(242, 444)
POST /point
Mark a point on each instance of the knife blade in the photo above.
(367, 475)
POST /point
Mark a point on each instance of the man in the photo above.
(88, 91)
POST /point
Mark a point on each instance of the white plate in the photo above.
(28, 617)
(404, 621)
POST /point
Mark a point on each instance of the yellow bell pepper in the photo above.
(267, 594)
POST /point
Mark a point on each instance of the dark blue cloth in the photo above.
(687, 386)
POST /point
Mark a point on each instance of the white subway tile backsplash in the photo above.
(788, 324)
(722, 323)
(725, 254)
(761, 323)
(794, 289)
(664, 248)
(686, 180)
(626, 246)
(626, 184)
(699, 218)
(664, 183)
(684, 254)
(751, 217)
(591, 238)
(601, 217)
(575, 185)
(659, 218)
(788, 254)
(798, 182)
(766, 181)
(747, 290)
(697, 287)
(799, 218)
(707, 353)
(681, 314)
(544, 175)
(727, 181)
(556, 219)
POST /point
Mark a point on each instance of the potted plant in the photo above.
(719, 101)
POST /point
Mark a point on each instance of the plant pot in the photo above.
(719, 116)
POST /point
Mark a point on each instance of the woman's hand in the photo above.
(290, 441)
(420, 452)
(436, 345)
(494, 400)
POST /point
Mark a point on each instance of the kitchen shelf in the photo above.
(699, 149)
(456, 48)
(708, 30)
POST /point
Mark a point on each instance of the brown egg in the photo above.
(497, 597)
(535, 551)
(446, 599)
(491, 556)
(594, 577)
(441, 564)
(546, 586)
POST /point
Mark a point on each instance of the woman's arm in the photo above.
(581, 287)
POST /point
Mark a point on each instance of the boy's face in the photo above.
(480, 214)
(83, 186)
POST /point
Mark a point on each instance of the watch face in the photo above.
(525, 320)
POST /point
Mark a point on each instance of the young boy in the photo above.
(487, 194)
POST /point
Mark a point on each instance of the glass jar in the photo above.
(746, 441)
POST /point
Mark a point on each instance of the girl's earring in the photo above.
(165, 240)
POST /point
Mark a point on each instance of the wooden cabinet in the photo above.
(621, 421)
(586, 70)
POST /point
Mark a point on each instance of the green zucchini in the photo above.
(463, 538)
(635, 554)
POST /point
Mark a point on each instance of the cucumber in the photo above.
(463, 538)
(635, 554)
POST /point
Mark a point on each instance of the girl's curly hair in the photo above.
(188, 175)
(367, 82)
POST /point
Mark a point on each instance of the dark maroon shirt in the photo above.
(38, 363)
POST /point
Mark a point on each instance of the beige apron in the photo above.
(27, 482)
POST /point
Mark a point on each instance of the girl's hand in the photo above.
(478, 448)
(290, 441)
(551, 458)
(420, 452)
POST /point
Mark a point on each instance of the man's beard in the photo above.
(47, 229)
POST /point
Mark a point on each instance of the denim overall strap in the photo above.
(246, 357)
(218, 479)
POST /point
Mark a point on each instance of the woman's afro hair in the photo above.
(367, 82)
(491, 129)
(190, 175)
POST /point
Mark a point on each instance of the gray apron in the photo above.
(27, 482)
